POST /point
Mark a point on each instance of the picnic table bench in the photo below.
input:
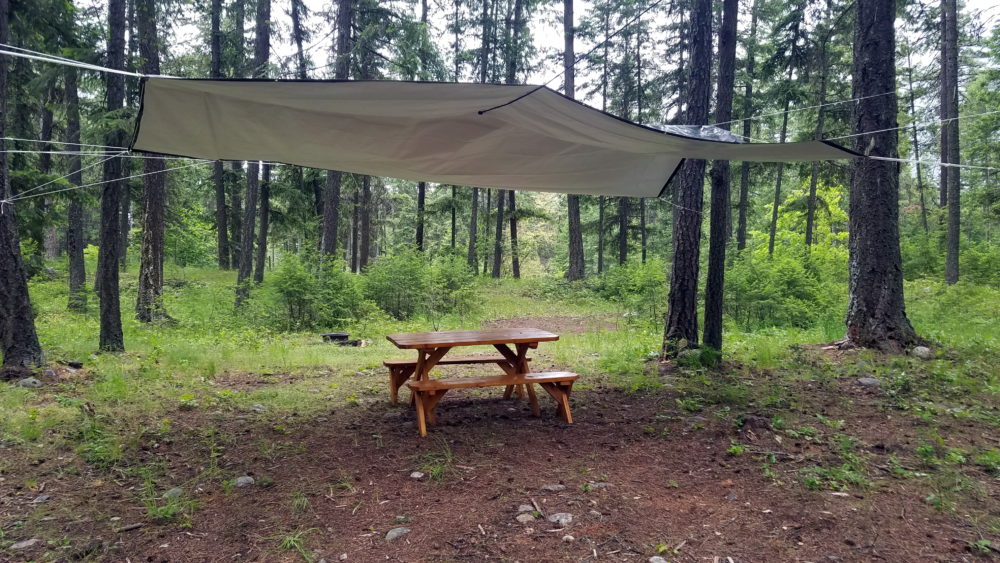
(432, 347)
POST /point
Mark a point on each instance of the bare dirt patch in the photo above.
(641, 477)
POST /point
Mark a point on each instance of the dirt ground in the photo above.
(640, 476)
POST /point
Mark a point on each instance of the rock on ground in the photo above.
(244, 481)
(525, 508)
(175, 492)
(554, 488)
(561, 518)
(869, 382)
(29, 382)
(524, 517)
(26, 544)
(922, 352)
(396, 533)
(417, 475)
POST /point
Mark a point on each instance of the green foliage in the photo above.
(638, 287)
(407, 283)
(327, 296)
(780, 291)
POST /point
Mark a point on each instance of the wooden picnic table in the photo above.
(432, 348)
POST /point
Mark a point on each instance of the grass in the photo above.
(121, 402)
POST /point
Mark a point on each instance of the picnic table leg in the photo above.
(397, 377)
(430, 402)
(421, 416)
(561, 396)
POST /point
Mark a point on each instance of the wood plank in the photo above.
(449, 338)
(451, 360)
(493, 381)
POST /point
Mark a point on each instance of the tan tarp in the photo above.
(433, 132)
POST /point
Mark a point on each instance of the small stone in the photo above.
(596, 514)
(554, 488)
(657, 559)
(343, 557)
(417, 475)
(525, 517)
(561, 518)
(40, 499)
(396, 533)
(869, 382)
(50, 373)
(29, 382)
(26, 544)
(731, 497)
(259, 408)
(526, 508)
(601, 485)
(175, 492)
(922, 352)
(568, 538)
(244, 481)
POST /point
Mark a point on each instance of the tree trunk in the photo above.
(916, 143)
(600, 234)
(245, 270)
(365, 250)
(951, 177)
(876, 314)
(498, 239)
(719, 226)
(126, 215)
(331, 212)
(421, 203)
(642, 228)
(51, 242)
(111, 338)
(265, 222)
(781, 173)
(355, 226)
(262, 50)
(576, 269)
(149, 298)
(487, 205)
(454, 216)
(473, 259)
(235, 213)
(515, 259)
(682, 314)
(741, 225)
(18, 340)
(820, 121)
(74, 231)
(623, 221)
(218, 172)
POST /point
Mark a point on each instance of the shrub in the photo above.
(637, 286)
(398, 283)
(324, 296)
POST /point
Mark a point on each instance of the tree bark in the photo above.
(576, 269)
(421, 203)
(916, 143)
(18, 340)
(515, 259)
(820, 122)
(950, 175)
(365, 250)
(623, 221)
(218, 172)
(331, 212)
(454, 216)
(876, 314)
(235, 186)
(149, 298)
(498, 239)
(262, 49)
(74, 231)
(334, 179)
(355, 226)
(51, 242)
(741, 226)
(773, 232)
(682, 314)
(600, 234)
(719, 226)
(265, 222)
(111, 338)
(473, 259)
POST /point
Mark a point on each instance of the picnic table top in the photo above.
(451, 338)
